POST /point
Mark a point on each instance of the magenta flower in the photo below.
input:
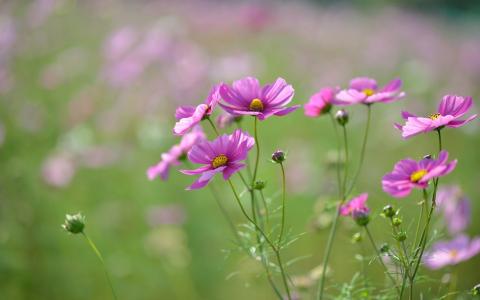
(320, 103)
(364, 90)
(222, 155)
(189, 116)
(355, 206)
(175, 154)
(452, 252)
(455, 207)
(408, 174)
(451, 108)
(246, 97)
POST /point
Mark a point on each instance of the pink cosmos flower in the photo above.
(189, 116)
(451, 108)
(355, 206)
(247, 97)
(455, 207)
(408, 174)
(222, 155)
(173, 156)
(452, 252)
(320, 103)
(364, 90)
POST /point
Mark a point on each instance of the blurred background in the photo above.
(87, 95)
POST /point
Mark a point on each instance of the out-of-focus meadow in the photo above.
(87, 95)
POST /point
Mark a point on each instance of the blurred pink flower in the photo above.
(320, 103)
(172, 214)
(365, 90)
(452, 252)
(58, 169)
(455, 208)
(355, 205)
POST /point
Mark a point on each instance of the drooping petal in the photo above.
(184, 111)
(459, 123)
(232, 169)
(185, 124)
(205, 178)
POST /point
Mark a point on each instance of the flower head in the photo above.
(408, 174)
(173, 156)
(247, 97)
(189, 116)
(222, 155)
(320, 103)
(451, 108)
(365, 90)
(74, 223)
(452, 252)
(357, 209)
(455, 208)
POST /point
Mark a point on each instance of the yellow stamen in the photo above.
(368, 92)
(418, 175)
(256, 105)
(434, 116)
(219, 161)
(453, 253)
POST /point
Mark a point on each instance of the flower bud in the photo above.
(397, 221)
(259, 185)
(389, 211)
(428, 156)
(476, 290)
(384, 248)
(401, 236)
(361, 217)
(74, 223)
(279, 156)
(342, 117)
(357, 237)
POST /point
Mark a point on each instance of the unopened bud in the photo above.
(389, 211)
(259, 185)
(74, 223)
(476, 290)
(397, 221)
(362, 218)
(401, 236)
(279, 156)
(342, 117)
(357, 237)
(384, 248)
(428, 156)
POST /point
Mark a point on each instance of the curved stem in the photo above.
(277, 253)
(100, 257)
(257, 146)
(380, 259)
(213, 126)
(362, 152)
(282, 228)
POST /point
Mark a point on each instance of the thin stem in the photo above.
(326, 257)
(345, 169)
(422, 212)
(100, 257)
(439, 140)
(284, 192)
(257, 145)
(380, 259)
(213, 126)
(265, 206)
(337, 137)
(277, 253)
(362, 152)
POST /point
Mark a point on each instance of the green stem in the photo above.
(337, 137)
(100, 257)
(282, 228)
(213, 126)
(275, 250)
(362, 152)
(257, 145)
(345, 169)
(380, 259)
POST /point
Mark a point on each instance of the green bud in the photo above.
(362, 219)
(401, 236)
(74, 223)
(342, 117)
(476, 290)
(389, 211)
(384, 248)
(397, 221)
(259, 185)
(357, 237)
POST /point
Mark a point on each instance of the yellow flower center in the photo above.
(434, 116)
(219, 161)
(368, 92)
(256, 105)
(453, 253)
(418, 175)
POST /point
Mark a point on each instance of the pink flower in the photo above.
(223, 155)
(320, 103)
(246, 97)
(364, 90)
(173, 156)
(408, 174)
(355, 206)
(189, 116)
(451, 108)
(452, 252)
(455, 207)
